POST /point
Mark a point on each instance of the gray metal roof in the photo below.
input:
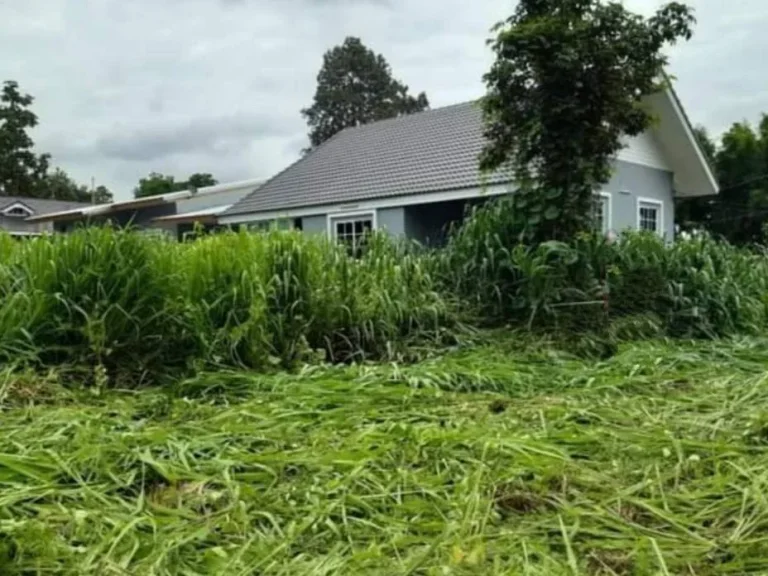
(39, 205)
(431, 151)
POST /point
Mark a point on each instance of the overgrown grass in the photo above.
(123, 309)
(507, 458)
(129, 308)
(699, 287)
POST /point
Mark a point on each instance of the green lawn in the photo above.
(501, 459)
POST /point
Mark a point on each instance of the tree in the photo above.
(156, 184)
(354, 87)
(568, 82)
(198, 181)
(59, 186)
(739, 212)
(21, 170)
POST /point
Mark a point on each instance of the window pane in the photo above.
(600, 214)
(649, 218)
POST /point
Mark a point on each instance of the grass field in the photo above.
(502, 458)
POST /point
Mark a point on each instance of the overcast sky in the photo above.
(125, 87)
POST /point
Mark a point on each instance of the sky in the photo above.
(123, 88)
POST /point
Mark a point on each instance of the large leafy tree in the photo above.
(57, 185)
(568, 81)
(355, 86)
(157, 183)
(21, 170)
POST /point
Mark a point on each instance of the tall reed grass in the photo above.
(700, 287)
(129, 308)
(138, 307)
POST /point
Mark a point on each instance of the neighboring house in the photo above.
(15, 212)
(413, 175)
(175, 213)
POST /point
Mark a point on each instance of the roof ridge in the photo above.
(410, 116)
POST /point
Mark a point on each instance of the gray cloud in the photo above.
(214, 136)
(181, 86)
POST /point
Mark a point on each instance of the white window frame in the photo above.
(336, 217)
(17, 205)
(651, 202)
(608, 217)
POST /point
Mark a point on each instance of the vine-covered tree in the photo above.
(568, 81)
(355, 86)
(21, 170)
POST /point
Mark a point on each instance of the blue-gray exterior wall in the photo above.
(629, 183)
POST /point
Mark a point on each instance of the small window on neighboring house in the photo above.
(602, 212)
(352, 230)
(649, 217)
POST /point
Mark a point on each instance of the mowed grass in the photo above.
(505, 458)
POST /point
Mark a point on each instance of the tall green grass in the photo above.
(128, 308)
(281, 297)
(699, 287)
(137, 307)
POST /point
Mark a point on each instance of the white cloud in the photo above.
(181, 86)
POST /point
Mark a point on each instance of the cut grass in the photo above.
(502, 459)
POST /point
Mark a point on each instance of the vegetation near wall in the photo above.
(699, 287)
(125, 308)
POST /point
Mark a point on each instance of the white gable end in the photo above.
(643, 149)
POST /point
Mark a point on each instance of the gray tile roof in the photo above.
(431, 151)
(39, 205)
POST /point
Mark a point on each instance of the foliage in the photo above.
(141, 308)
(739, 212)
(21, 170)
(157, 184)
(506, 458)
(355, 86)
(568, 82)
(199, 180)
(59, 186)
(96, 298)
(697, 287)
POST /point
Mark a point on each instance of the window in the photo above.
(649, 215)
(352, 229)
(602, 212)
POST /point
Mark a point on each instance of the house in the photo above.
(175, 213)
(415, 174)
(15, 212)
